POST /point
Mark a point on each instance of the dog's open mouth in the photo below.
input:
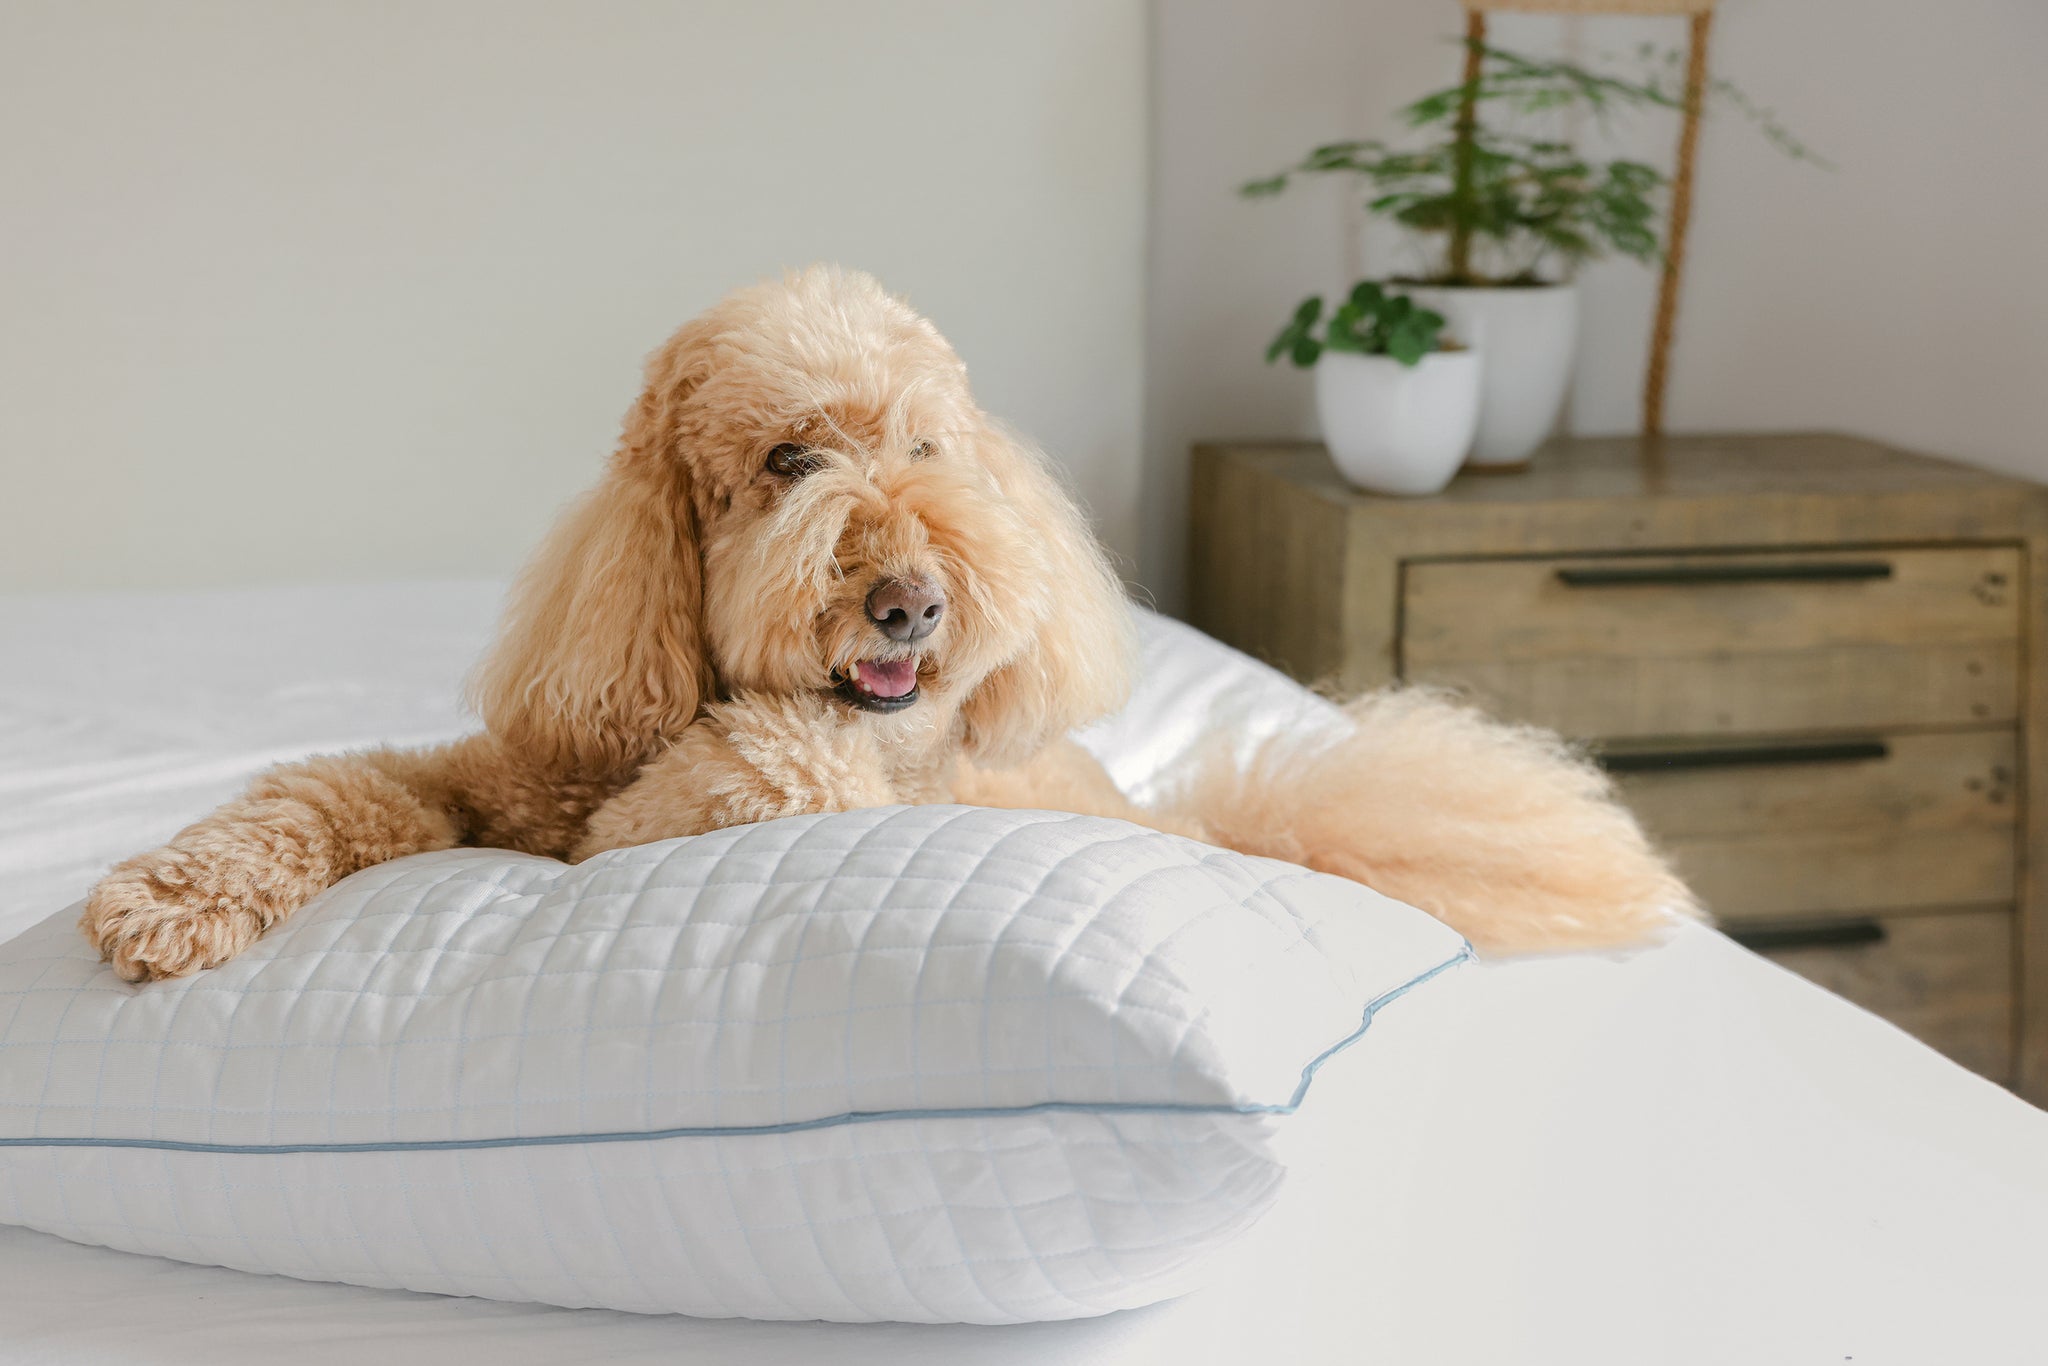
(879, 684)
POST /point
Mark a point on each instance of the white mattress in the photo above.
(1682, 1156)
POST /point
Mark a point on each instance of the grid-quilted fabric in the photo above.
(931, 1063)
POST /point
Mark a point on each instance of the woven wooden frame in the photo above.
(1700, 16)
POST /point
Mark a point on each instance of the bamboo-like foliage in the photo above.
(1535, 204)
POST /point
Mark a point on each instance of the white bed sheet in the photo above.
(125, 715)
(1686, 1155)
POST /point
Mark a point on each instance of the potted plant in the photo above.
(1507, 217)
(1398, 401)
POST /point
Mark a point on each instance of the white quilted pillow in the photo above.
(933, 1063)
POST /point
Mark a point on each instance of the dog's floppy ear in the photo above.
(1078, 665)
(600, 657)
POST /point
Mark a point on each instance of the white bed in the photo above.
(1686, 1155)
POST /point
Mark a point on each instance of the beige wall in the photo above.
(1900, 295)
(347, 290)
(342, 290)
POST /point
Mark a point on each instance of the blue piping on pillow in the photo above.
(1292, 1104)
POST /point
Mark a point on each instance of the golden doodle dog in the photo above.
(816, 576)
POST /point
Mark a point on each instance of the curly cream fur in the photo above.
(1502, 831)
(669, 663)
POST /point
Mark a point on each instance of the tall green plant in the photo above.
(1535, 202)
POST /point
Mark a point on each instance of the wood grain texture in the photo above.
(1934, 643)
(1293, 565)
(1514, 610)
(1629, 473)
(1945, 978)
(1872, 687)
(2032, 968)
(1270, 568)
(1943, 780)
(1835, 873)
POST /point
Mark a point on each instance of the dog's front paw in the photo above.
(154, 923)
(199, 901)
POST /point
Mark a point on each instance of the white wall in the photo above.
(1239, 91)
(1900, 295)
(356, 290)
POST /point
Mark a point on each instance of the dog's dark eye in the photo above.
(924, 450)
(791, 461)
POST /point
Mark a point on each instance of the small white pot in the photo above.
(1528, 334)
(1395, 428)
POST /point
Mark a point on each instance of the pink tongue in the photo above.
(892, 678)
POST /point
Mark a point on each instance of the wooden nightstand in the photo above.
(1813, 662)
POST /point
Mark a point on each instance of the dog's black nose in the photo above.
(906, 609)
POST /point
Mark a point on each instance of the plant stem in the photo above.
(1654, 378)
(1467, 127)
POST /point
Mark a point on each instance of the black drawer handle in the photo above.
(1744, 756)
(1822, 934)
(1784, 571)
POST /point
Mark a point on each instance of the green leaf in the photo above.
(1407, 346)
(1297, 331)
(1307, 350)
(1514, 188)
(1334, 153)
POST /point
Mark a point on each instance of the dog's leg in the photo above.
(750, 760)
(1501, 831)
(221, 882)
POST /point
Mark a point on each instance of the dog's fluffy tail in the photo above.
(1503, 832)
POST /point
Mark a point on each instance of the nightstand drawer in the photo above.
(1833, 824)
(1946, 978)
(1620, 646)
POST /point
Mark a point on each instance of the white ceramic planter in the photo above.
(1528, 334)
(1395, 428)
